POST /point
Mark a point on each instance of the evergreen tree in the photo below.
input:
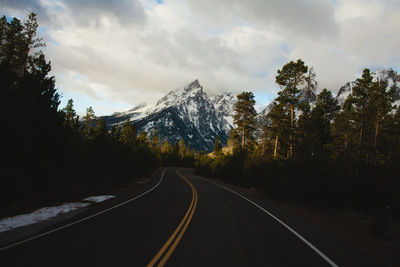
(176, 147)
(166, 148)
(234, 139)
(360, 101)
(116, 134)
(70, 114)
(143, 140)
(364, 120)
(392, 144)
(100, 129)
(328, 104)
(182, 148)
(89, 118)
(28, 89)
(343, 132)
(26, 84)
(217, 145)
(129, 134)
(371, 105)
(290, 78)
(382, 106)
(245, 115)
(278, 128)
(18, 43)
(155, 142)
(315, 127)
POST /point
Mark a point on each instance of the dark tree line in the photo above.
(318, 151)
(50, 155)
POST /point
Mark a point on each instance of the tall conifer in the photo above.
(245, 115)
(290, 78)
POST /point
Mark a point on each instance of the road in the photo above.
(180, 220)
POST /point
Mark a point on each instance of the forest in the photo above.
(328, 154)
(50, 154)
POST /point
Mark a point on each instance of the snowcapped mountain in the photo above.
(190, 114)
(187, 113)
(391, 77)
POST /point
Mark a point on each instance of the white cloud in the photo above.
(130, 52)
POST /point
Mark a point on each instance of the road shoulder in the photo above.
(324, 229)
(123, 194)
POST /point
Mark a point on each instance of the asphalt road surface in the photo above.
(180, 220)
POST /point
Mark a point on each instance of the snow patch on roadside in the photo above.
(98, 198)
(47, 213)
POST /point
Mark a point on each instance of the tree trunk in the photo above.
(243, 139)
(359, 142)
(376, 139)
(291, 131)
(359, 149)
(263, 143)
(276, 146)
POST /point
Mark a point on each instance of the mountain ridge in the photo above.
(185, 113)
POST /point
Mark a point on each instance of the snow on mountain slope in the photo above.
(225, 104)
(186, 113)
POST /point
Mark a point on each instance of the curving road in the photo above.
(181, 220)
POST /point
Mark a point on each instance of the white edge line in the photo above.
(82, 220)
(281, 222)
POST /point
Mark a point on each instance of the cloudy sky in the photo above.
(113, 55)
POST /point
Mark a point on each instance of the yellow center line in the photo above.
(184, 222)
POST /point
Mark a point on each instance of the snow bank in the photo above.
(47, 213)
(98, 198)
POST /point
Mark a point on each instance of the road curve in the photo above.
(183, 221)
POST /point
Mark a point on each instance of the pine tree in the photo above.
(315, 127)
(290, 78)
(234, 139)
(382, 105)
(129, 134)
(18, 42)
(166, 148)
(89, 118)
(182, 148)
(245, 115)
(343, 132)
(143, 140)
(116, 134)
(26, 84)
(371, 107)
(176, 147)
(155, 142)
(100, 129)
(70, 114)
(391, 147)
(278, 127)
(217, 145)
(360, 101)
(28, 89)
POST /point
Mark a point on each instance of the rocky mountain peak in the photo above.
(193, 85)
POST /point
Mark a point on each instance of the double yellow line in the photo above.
(178, 231)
